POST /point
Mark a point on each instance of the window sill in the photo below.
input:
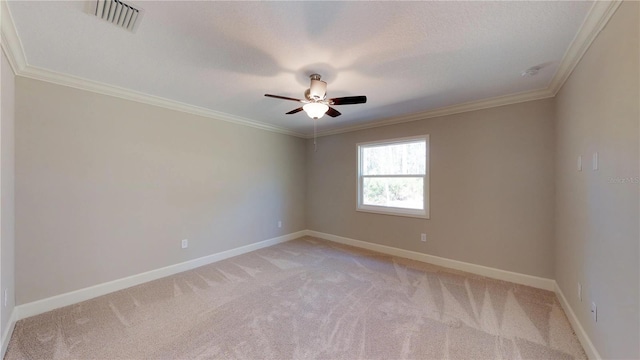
(420, 214)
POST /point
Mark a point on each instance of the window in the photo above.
(393, 177)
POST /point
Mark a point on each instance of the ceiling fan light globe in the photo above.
(315, 110)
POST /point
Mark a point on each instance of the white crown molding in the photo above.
(11, 44)
(37, 73)
(598, 17)
(449, 110)
(12, 47)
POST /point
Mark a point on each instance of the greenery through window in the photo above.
(393, 176)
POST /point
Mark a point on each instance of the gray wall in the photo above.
(597, 211)
(7, 211)
(107, 187)
(491, 184)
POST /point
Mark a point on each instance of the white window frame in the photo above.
(388, 210)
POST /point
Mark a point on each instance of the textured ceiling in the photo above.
(407, 57)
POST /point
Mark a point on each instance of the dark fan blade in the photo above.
(333, 112)
(348, 100)
(294, 111)
(282, 97)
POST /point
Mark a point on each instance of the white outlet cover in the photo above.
(185, 243)
(579, 291)
(580, 163)
(423, 237)
(594, 311)
(595, 161)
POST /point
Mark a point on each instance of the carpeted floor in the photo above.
(307, 299)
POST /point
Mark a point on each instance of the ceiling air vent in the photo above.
(119, 13)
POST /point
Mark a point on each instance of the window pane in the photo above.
(406, 192)
(395, 159)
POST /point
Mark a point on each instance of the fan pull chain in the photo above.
(315, 147)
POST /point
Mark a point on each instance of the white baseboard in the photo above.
(6, 335)
(533, 281)
(529, 280)
(70, 298)
(73, 297)
(587, 345)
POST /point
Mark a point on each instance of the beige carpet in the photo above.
(307, 299)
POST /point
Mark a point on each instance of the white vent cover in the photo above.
(117, 12)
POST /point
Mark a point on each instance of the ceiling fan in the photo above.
(316, 103)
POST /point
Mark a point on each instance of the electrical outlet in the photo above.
(423, 237)
(279, 223)
(594, 311)
(580, 163)
(595, 161)
(185, 243)
(579, 291)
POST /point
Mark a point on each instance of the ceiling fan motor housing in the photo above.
(318, 88)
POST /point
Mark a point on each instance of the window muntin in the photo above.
(393, 177)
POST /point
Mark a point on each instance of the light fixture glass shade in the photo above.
(315, 110)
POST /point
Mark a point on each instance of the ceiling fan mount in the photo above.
(316, 102)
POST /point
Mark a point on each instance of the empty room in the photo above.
(320, 180)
